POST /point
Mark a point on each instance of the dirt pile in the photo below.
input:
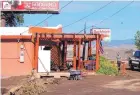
(32, 86)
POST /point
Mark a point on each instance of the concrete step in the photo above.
(54, 74)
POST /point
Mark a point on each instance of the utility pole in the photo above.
(85, 28)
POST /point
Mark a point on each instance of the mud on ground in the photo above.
(26, 85)
(89, 85)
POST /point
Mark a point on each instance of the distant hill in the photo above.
(120, 42)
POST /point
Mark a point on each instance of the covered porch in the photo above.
(62, 40)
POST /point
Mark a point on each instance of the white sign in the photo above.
(6, 5)
(106, 32)
(21, 56)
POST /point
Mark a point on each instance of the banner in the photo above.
(32, 6)
(106, 32)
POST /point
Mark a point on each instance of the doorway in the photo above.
(44, 60)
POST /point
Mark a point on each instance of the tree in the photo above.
(137, 39)
(13, 20)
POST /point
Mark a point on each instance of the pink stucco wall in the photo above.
(10, 62)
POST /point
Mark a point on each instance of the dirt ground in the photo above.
(90, 85)
(98, 85)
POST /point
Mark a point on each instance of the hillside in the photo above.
(120, 42)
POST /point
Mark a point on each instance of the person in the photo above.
(118, 60)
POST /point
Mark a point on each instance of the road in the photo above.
(91, 85)
(100, 85)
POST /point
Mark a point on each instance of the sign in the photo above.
(6, 5)
(21, 54)
(30, 6)
(106, 32)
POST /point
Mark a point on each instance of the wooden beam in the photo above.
(53, 36)
(79, 53)
(74, 56)
(33, 56)
(60, 54)
(63, 44)
(97, 52)
(89, 48)
(68, 36)
(83, 55)
(65, 53)
(15, 37)
(36, 52)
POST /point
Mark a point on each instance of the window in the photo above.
(137, 54)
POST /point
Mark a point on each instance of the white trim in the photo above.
(14, 30)
(21, 30)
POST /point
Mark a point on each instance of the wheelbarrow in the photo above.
(75, 75)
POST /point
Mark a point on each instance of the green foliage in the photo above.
(13, 20)
(137, 39)
(106, 67)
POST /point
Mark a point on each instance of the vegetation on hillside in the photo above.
(106, 67)
(137, 39)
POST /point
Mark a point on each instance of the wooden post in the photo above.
(83, 55)
(65, 53)
(97, 52)
(33, 56)
(33, 51)
(79, 63)
(123, 67)
(60, 54)
(89, 48)
(82, 63)
(36, 52)
(74, 56)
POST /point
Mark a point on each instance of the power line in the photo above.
(49, 16)
(84, 16)
(87, 28)
(88, 15)
(108, 17)
(66, 5)
(52, 14)
(80, 18)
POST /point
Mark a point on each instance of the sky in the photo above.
(123, 25)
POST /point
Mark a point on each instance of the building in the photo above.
(24, 49)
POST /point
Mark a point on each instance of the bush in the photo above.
(106, 67)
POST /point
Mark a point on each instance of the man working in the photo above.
(118, 61)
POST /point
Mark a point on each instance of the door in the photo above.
(44, 60)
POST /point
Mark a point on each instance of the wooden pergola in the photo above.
(73, 39)
(59, 37)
